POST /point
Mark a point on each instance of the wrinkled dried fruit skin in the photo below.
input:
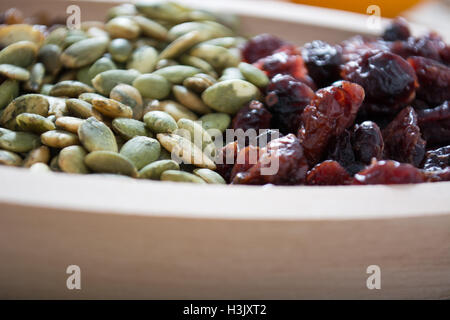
(389, 172)
(292, 164)
(286, 99)
(328, 173)
(322, 61)
(245, 159)
(387, 78)
(398, 29)
(434, 124)
(253, 116)
(428, 46)
(225, 160)
(282, 63)
(437, 159)
(340, 149)
(332, 110)
(260, 46)
(402, 138)
(434, 80)
(367, 142)
(355, 47)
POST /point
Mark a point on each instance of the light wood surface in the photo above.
(144, 239)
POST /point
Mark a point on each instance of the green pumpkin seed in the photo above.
(160, 122)
(126, 9)
(70, 124)
(176, 74)
(59, 139)
(231, 73)
(99, 66)
(120, 49)
(130, 96)
(30, 103)
(152, 86)
(218, 57)
(40, 168)
(208, 29)
(180, 176)
(154, 170)
(185, 150)
(105, 81)
(253, 74)
(209, 176)
(83, 109)
(69, 88)
(110, 162)
(57, 36)
(151, 28)
(190, 99)
(194, 132)
(49, 55)
(45, 90)
(34, 123)
(180, 45)
(199, 82)
(176, 110)
(230, 95)
(130, 128)
(84, 52)
(19, 141)
(88, 97)
(22, 54)
(9, 90)
(13, 33)
(141, 151)
(38, 155)
(198, 63)
(71, 160)
(9, 158)
(95, 135)
(57, 106)
(165, 63)
(112, 108)
(143, 59)
(166, 11)
(226, 42)
(14, 72)
(218, 121)
(122, 27)
(37, 73)
(83, 76)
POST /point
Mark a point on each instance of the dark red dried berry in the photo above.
(389, 172)
(387, 78)
(355, 47)
(402, 138)
(226, 158)
(246, 158)
(340, 149)
(434, 124)
(282, 63)
(428, 46)
(322, 61)
(282, 162)
(367, 142)
(260, 46)
(434, 80)
(398, 29)
(286, 98)
(328, 173)
(332, 110)
(437, 159)
(252, 116)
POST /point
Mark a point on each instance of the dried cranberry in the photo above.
(340, 149)
(427, 46)
(389, 172)
(322, 61)
(253, 116)
(260, 46)
(328, 173)
(282, 63)
(437, 159)
(245, 159)
(282, 162)
(226, 158)
(402, 138)
(398, 29)
(434, 124)
(266, 136)
(286, 98)
(332, 110)
(434, 80)
(367, 142)
(355, 47)
(386, 78)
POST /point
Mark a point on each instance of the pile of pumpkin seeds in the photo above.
(123, 96)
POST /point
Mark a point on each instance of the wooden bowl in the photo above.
(145, 239)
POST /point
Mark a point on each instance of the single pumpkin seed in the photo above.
(130, 96)
(9, 90)
(199, 82)
(165, 11)
(165, 63)
(126, 9)
(14, 33)
(57, 106)
(151, 28)
(40, 167)
(31, 103)
(102, 64)
(70, 124)
(38, 155)
(152, 86)
(185, 150)
(217, 120)
(231, 73)
(22, 54)
(49, 55)
(37, 73)
(110, 162)
(143, 59)
(56, 36)
(71, 160)
(120, 49)
(70, 88)
(34, 123)
(230, 95)
(209, 176)
(19, 141)
(88, 97)
(198, 63)
(83, 109)
(180, 45)
(154, 170)
(105, 81)
(226, 42)
(84, 52)
(160, 122)
(194, 132)
(218, 57)
(130, 128)
(14, 72)
(253, 74)
(176, 74)
(122, 27)
(176, 110)
(83, 75)
(180, 176)
(95, 135)
(9, 158)
(190, 100)
(112, 108)
(59, 139)
(141, 151)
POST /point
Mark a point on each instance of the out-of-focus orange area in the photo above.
(388, 8)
